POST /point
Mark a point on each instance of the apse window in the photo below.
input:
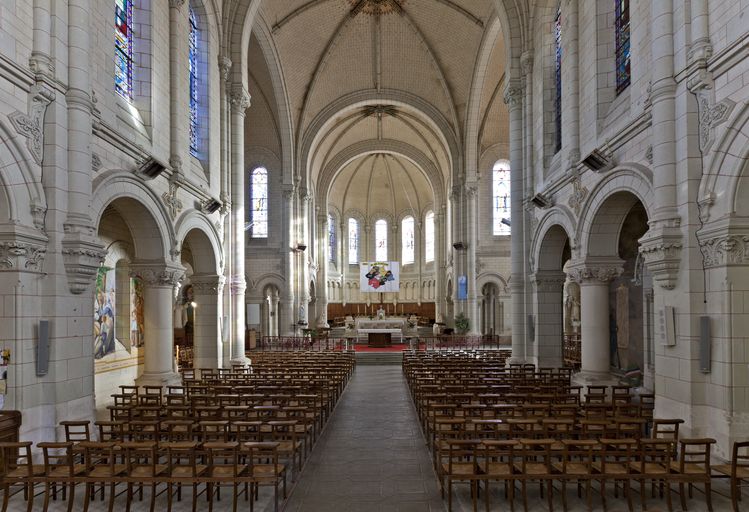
(331, 239)
(501, 197)
(123, 48)
(408, 239)
(353, 242)
(558, 78)
(381, 240)
(429, 237)
(259, 203)
(623, 73)
(194, 83)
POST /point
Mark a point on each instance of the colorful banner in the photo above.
(379, 276)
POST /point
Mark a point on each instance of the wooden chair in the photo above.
(693, 467)
(19, 469)
(461, 464)
(266, 469)
(60, 468)
(654, 464)
(289, 446)
(224, 467)
(535, 464)
(576, 464)
(497, 461)
(76, 432)
(111, 430)
(737, 470)
(182, 469)
(143, 467)
(101, 467)
(615, 463)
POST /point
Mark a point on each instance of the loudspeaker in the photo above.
(459, 246)
(541, 201)
(211, 205)
(705, 344)
(152, 168)
(42, 349)
(597, 161)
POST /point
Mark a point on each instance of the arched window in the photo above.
(331, 239)
(429, 237)
(381, 240)
(123, 48)
(194, 84)
(501, 197)
(408, 240)
(558, 78)
(623, 74)
(353, 241)
(259, 203)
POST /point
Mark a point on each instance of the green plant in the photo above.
(461, 323)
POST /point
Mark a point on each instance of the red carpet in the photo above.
(395, 347)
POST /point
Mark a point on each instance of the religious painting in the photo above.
(379, 276)
(104, 311)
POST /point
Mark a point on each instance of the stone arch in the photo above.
(558, 217)
(632, 180)
(719, 195)
(21, 193)
(155, 238)
(492, 277)
(204, 239)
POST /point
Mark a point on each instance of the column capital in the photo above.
(548, 280)
(158, 273)
(513, 96)
(239, 98)
(176, 4)
(595, 269)
(207, 284)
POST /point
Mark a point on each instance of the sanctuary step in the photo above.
(388, 358)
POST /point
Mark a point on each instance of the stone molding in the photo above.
(207, 284)
(548, 281)
(22, 255)
(725, 250)
(224, 67)
(239, 98)
(579, 194)
(513, 97)
(661, 250)
(82, 254)
(158, 274)
(31, 125)
(710, 116)
(238, 285)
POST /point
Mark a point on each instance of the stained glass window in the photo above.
(123, 48)
(331, 239)
(558, 78)
(429, 237)
(353, 242)
(259, 202)
(381, 240)
(194, 32)
(408, 239)
(501, 197)
(623, 73)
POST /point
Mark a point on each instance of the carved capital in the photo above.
(22, 253)
(726, 249)
(513, 97)
(206, 284)
(661, 250)
(595, 270)
(548, 281)
(158, 274)
(82, 255)
(224, 67)
(239, 98)
(176, 4)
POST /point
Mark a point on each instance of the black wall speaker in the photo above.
(42, 349)
(705, 344)
(459, 246)
(152, 168)
(211, 206)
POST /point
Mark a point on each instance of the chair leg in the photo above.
(683, 498)
(71, 498)
(449, 494)
(642, 493)
(194, 497)
(564, 494)
(87, 497)
(129, 497)
(603, 495)
(153, 497)
(48, 491)
(668, 495)
(6, 496)
(112, 488)
(30, 498)
(550, 495)
(169, 497)
(628, 490)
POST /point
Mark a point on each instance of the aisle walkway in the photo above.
(372, 455)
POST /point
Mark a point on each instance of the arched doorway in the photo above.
(492, 318)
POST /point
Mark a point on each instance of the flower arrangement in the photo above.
(461, 323)
(5, 354)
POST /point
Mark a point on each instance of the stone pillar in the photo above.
(570, 85)
(240, 102)
(288, 316)
(472, 226)
(41, 60)
(549, 287)
(207, 331)
(323, 263)
(514, 100)
(274, 301)
(304, 259)
(440, 243)
(594, 276)
(179, 92)
(159, 283)
(224, 67)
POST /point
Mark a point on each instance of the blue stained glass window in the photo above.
(123, 48)
(259, 202)
(353, 241)
(623, 46)
(194, 31)
(558, 78)
(331, 239)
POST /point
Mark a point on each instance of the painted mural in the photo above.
(104, 311)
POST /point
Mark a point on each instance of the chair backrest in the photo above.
(76, 431)
(224, 454)
(140, 454)
(181, 454)
(666, 429)
(98, 453)
(16, 455)
(57, 456)
(695, 451)
(655, 455)
(214, 431)
(111, 430)
(535, 453)
(740, 457)
(619, 452)
(579, 451)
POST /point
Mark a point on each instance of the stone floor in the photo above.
(372, 457)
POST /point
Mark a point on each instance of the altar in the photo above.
(392, 325)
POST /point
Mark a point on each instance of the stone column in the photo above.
(549, 287)
(594, 276)
(41, 60)
(304, 258)
(240, 102)
(207, 332)
(179, 91)
(288, 318)
(159, 283)
(570, 85)
(472, 232)
(323, 262)
(439, 263)
(224, 67)
(82, 251)
(514, 100)
(274, 301)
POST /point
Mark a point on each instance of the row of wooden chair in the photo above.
(172, 465)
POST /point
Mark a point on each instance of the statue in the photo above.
(380, 313)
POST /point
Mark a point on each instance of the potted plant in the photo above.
(461, 323)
